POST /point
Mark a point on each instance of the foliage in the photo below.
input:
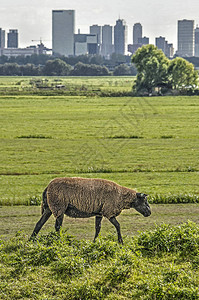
(56, 67)
(158, 264)
(182, 74)
(81, 69)
(152, 65)
(156, 71)
(122, 70)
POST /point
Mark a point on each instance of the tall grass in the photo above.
(158, 264)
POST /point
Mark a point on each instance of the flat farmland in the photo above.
(150, 144)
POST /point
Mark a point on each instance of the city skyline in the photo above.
(158, 19)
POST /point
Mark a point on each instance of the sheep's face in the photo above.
(141, 204)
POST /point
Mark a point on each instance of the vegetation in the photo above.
(158, 264)
(83, 65)
(155, 70)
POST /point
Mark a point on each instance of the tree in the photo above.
(56, 67)
(152, 66)
(182, 74)
(81, 69)
(122, 70)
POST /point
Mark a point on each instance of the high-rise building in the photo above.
(63, 28)
(160, 42)
(143, 41)
(120, 37)
(197, 41)
(186, 36)
(2, 38)
(96, 29)
(137, 33)
(12, 41)
(107, 41)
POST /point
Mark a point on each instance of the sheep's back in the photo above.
(86, 195)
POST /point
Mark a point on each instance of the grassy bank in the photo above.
(158, 264)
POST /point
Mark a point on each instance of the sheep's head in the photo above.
(141, 204)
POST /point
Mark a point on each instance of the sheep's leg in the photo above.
(45, 216)
(58, 222)
(117, 226)
(98, 220)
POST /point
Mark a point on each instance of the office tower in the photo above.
(63, 27)
(12, 41)
(2, 38)
(169, 50)
(160, 42)
(137, 33)
(107, 40)
(143, 41)
(95, 29)
(186, 38)
(197, 41)
(120, 37)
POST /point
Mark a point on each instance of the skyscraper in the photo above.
(2, 38)
(137, 33)
(107, 40)
(63, 27)
(186, 38)
(120, 37)
(12, 41)
(197, 41)
(160, 42)
(96, 29)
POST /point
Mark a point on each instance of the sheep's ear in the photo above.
(141, 195)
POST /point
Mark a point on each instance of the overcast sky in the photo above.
(33, 18)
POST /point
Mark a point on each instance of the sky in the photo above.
(33, 18)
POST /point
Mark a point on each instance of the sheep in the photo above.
(87, 197)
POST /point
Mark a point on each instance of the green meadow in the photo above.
(150, 144)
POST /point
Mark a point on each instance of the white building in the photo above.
(186, 38)
(63, 28)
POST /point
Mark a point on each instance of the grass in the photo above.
(157, 264)
(150, 144)
(17, 218)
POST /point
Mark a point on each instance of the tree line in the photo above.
(58, 67)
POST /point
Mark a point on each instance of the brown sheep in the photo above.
(85, 197)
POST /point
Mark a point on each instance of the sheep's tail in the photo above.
(44, 203)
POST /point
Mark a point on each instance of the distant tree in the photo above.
(30, 70)
(11, 69)
(182, 74)
(81, 69)
(122, 70)
(152, 66)
(56, 67)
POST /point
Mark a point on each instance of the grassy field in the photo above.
(150, 144)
